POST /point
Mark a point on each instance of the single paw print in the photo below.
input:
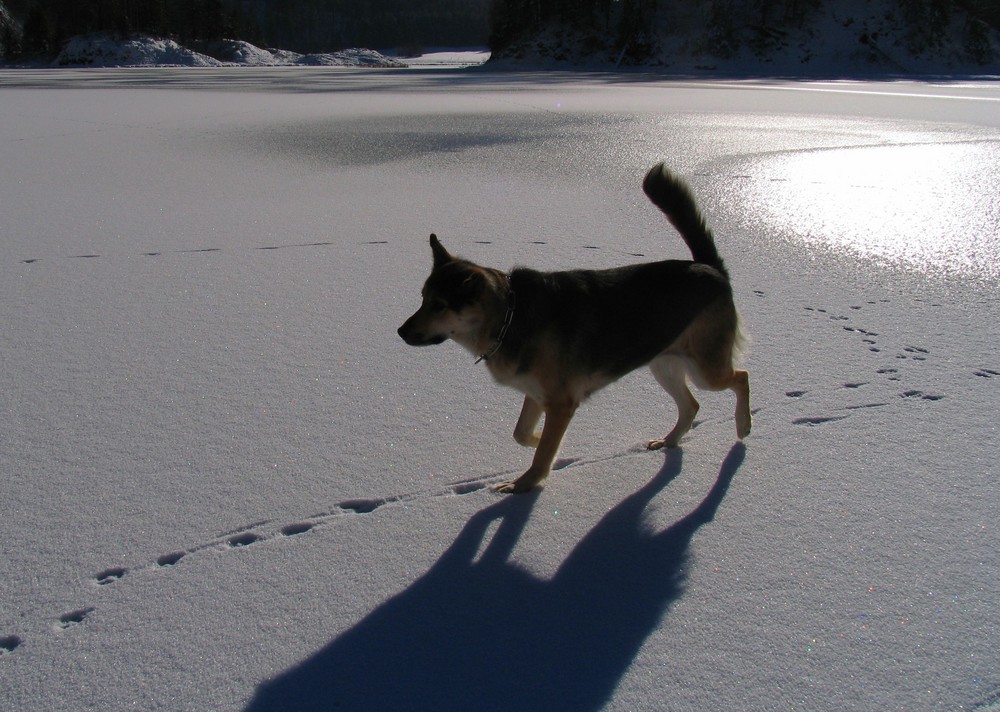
(296, 529)
(241, 540)
(73, 618)
(109, 576)
(168, 560)
(921, 395)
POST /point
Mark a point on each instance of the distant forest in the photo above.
(323, 25)
(630, 28)
(626, 28)
(43, 26)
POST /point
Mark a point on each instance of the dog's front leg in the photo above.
(557, 419)
(524, 431)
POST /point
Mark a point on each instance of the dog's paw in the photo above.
(513, 487)
(661, 443)
(525, 483)
(529, 440)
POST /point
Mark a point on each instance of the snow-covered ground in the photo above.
(228, 484)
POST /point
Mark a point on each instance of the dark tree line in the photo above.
(302, 25)
(624, 29)
(317, 25)
(629, 29)
(47, 24)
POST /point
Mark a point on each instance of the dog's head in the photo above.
(452, 306)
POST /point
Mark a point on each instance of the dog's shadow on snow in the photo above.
(477, 632)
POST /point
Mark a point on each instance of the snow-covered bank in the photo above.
(448, 58)
(225, 477)
(102, 51)
(143, 51)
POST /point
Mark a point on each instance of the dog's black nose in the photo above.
(408, 334)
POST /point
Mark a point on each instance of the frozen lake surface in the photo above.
(228, 484)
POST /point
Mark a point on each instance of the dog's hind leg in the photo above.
(710, 344)
(527, 422)
(722, 376)
(671, 373)
(738, 382)
(557, 417)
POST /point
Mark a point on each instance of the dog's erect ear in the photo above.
(441, 255)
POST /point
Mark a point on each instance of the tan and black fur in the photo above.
(559, 336)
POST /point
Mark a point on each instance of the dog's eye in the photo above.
(438, 305)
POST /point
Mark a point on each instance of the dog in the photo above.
(557, 337)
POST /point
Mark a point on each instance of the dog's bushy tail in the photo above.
(673, 196)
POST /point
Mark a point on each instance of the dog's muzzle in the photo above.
(414, 337)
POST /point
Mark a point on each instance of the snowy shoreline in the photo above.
(101, 51)
(830, 55)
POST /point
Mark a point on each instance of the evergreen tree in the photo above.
(37, 38)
